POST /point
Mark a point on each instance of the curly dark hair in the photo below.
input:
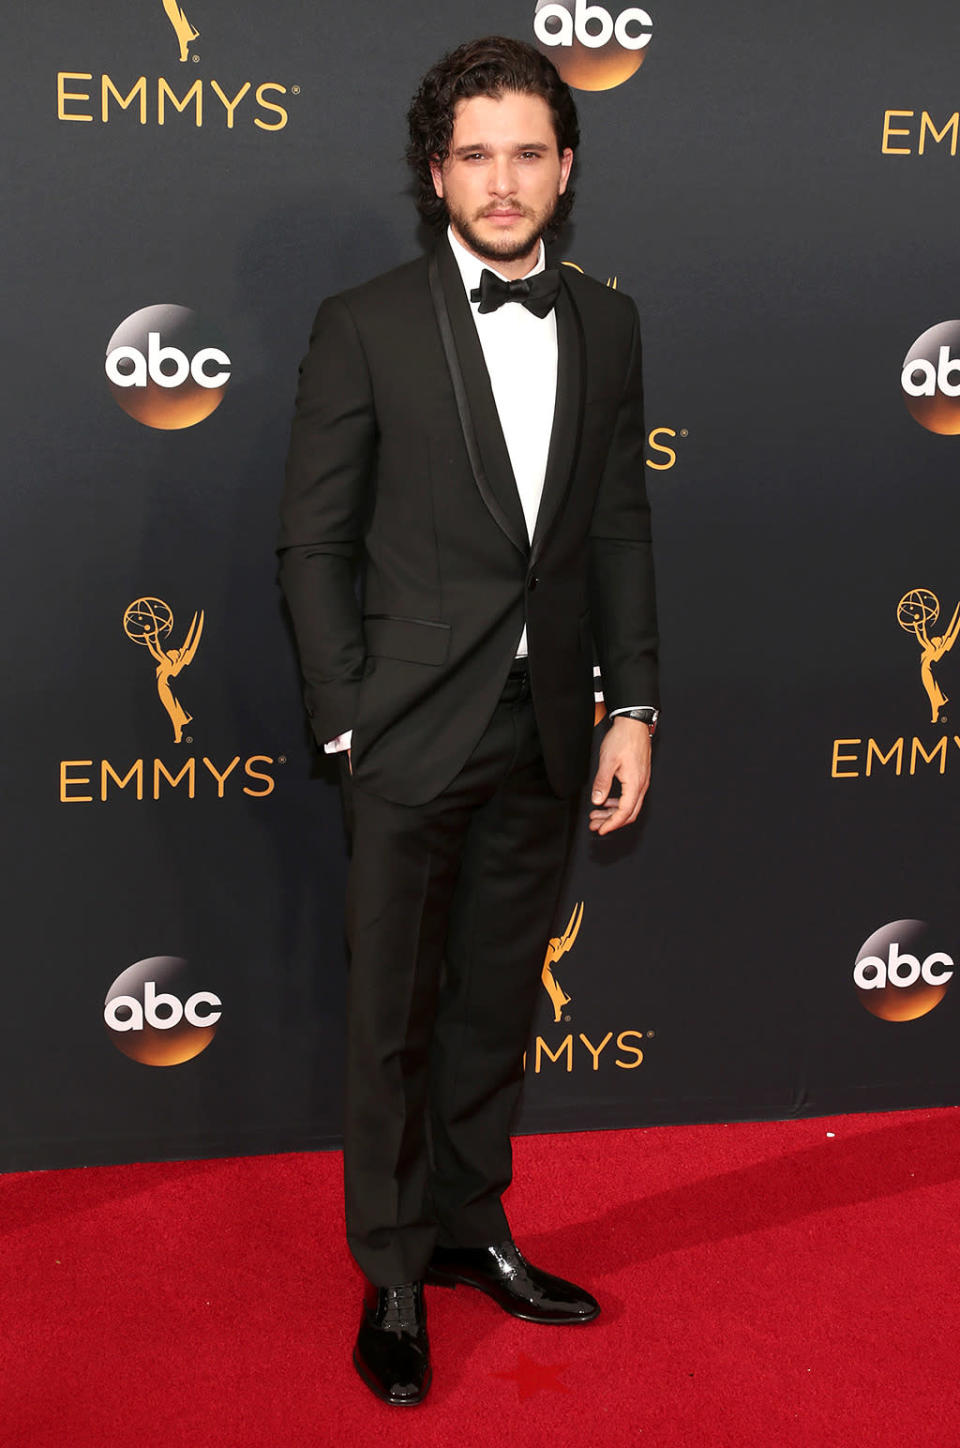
(487, 67)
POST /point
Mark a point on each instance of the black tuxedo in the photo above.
(462, 793)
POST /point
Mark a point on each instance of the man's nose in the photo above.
(501, 178)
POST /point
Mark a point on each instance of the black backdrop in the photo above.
(787, 241)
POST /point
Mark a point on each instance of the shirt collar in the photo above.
(471, 266)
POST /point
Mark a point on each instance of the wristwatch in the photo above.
(646, 716)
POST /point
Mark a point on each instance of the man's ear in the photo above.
(566, 165)
(436, 171)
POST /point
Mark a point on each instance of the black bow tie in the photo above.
(537, 293)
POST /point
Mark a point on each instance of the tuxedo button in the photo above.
(532, 583)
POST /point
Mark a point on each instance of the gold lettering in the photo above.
(873, 748)
(662, 448)
(889, 131)
(835, 771)
(622, 1045)
(926, 124)
(189, 769)
(67, 780)
(108, 88)
(231, 106)
(63, 95)
(221, 778)
(135, 772)
(258, 774)
(939, 748)
(565, 1045)
(595, 1050)
(271, 106)
(195, 93)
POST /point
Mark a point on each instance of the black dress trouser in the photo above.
(449, 908)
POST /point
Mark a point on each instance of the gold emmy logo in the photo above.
(182, 29)
(916, 610)
(146, 622)
(558, 946)
(126, 98)
(624, 1048)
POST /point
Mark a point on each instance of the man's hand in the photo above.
(624, 755)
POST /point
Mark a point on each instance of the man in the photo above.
(468, 432)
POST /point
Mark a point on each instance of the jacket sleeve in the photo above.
(325, 504)
(622, 596)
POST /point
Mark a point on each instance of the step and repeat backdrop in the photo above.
(778, 189)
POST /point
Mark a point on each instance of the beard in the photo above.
(503, 248)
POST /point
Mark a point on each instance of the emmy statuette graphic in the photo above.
(915, 611)
(147, 621)
(184, 31)
(558, 946)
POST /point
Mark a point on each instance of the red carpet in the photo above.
(766, 1285)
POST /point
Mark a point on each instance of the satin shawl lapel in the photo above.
(479, 419)
(567, 415)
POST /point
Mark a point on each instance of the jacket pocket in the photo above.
(413, 640)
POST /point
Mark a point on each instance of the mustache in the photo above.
(505, 206)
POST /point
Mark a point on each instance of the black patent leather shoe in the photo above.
(392, 1354)
(504, 1274)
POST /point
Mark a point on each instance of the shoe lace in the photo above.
(514, 1259)
(400, 1308)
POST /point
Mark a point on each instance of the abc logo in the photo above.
(899, 975)
(931, 379)
(164, 369)
(593, 48)
(154, 1016)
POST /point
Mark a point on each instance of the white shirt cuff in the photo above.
(339, 744)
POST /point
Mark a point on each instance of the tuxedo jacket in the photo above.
(404, 554)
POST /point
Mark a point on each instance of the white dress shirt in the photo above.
(520, 350)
